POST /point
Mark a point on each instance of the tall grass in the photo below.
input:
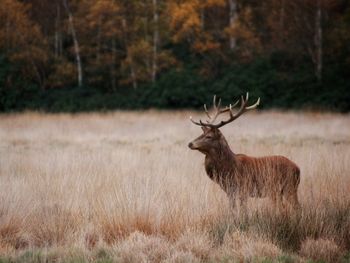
(124, 187)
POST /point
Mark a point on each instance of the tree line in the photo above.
(77, 55)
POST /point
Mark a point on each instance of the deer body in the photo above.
(242, 176)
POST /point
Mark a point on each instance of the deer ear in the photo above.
(204, 128)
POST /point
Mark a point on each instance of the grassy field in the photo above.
(124, 187)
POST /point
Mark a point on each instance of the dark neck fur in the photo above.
(219, 161)
(221, 154)
(220, 165)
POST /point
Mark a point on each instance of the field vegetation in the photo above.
(124, 187)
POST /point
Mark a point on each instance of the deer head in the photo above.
(212, 138)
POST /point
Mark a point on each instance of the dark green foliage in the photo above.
(277, 79)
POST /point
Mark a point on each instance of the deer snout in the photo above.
(192, 146)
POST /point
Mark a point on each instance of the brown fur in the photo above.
(243, 176)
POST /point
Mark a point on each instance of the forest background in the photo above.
(87, 55)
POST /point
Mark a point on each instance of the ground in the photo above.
(124, 187)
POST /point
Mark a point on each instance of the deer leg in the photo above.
(243, 204)
(292, 199)
(277, 202)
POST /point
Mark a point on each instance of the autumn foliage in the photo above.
(88, 55)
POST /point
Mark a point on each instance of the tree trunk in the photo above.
(133, 77)
(76, 44)
(57, 33)
(155, 40)
(132, 70)
(203, 18)
(113, 66)
(40, 75)
(282, 15)
(7, 35)
(148, 59)
(233, 20)
(318, 41)
(98, 48)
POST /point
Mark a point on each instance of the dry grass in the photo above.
(321, 250)
(124, 187)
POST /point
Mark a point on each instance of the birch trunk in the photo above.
(233, 20)
(318, 41)
(133, 77)
(155, 40)
(76, 44)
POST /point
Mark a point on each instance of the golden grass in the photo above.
(321, 250)
(126, 184)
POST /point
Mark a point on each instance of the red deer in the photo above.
(239, 175)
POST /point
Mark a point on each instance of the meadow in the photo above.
(124, 187)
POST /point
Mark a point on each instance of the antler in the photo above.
(217, 111)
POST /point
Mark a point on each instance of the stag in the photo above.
(239, 175)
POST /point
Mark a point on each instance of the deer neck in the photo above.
(220, 160)
(223, 152)
(220, 165)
